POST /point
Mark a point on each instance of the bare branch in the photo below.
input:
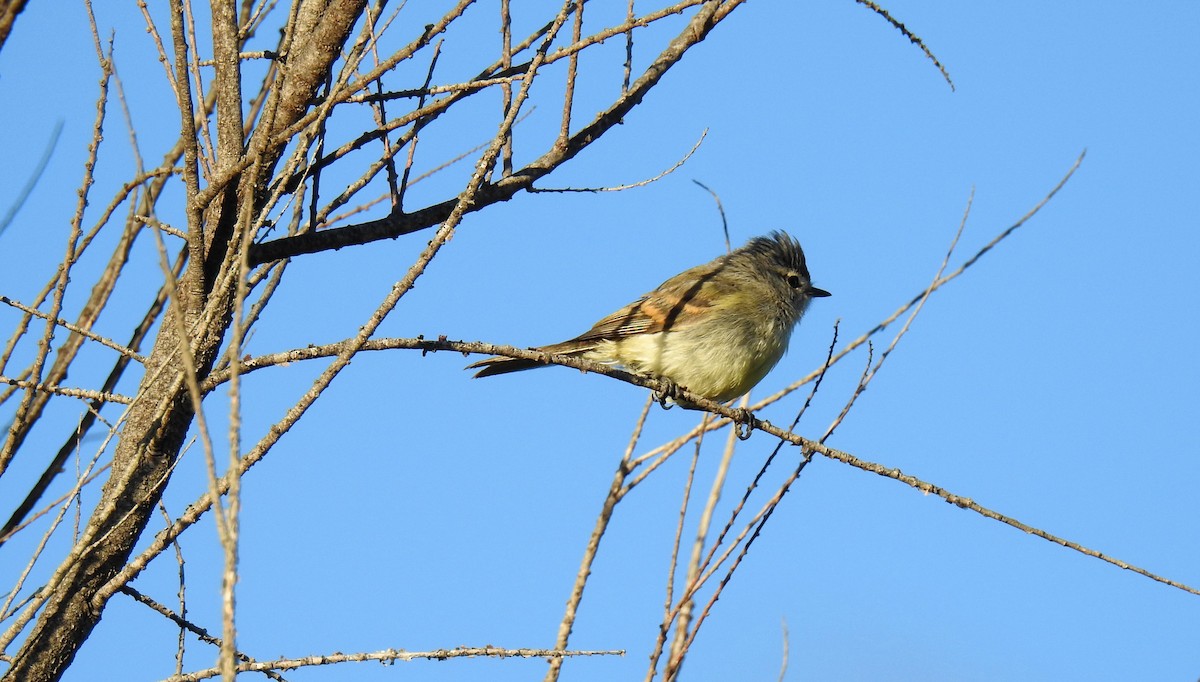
(615, 493)
(188, 626)
(394, 655)
(81, 393)
(916, 40)
(397, 224)
(74, 328)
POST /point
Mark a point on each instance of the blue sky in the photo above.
(1054, 382)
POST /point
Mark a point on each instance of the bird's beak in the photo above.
(818, 293)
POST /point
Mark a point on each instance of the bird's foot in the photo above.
(669, 394)
(743, 423)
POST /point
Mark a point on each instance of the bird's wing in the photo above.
(672, 305)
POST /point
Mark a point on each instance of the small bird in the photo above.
(716, 329)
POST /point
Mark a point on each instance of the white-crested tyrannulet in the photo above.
(715, 330)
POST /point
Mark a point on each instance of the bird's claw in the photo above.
(668, 395)
(743, 423)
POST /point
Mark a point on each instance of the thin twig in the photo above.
(506, 155)
(672, 613)
(916, 40)
(564, 130)
(615, 494)
(873, 371)
(81, 393)
(783, 658)
(30, 408)
(76, 329)
(695, 565)
(640, 183)
(627, 67)
(30, 607)
(720, 209)
(186, 625)
(34, 176)
(18, 527)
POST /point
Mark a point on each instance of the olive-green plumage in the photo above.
(716, 329)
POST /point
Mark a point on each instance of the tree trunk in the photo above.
(159, 419)
(149, 445)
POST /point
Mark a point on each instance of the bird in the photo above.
(716, 329)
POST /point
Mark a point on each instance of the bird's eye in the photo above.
(793, 281)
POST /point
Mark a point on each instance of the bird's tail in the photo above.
(502, 365)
